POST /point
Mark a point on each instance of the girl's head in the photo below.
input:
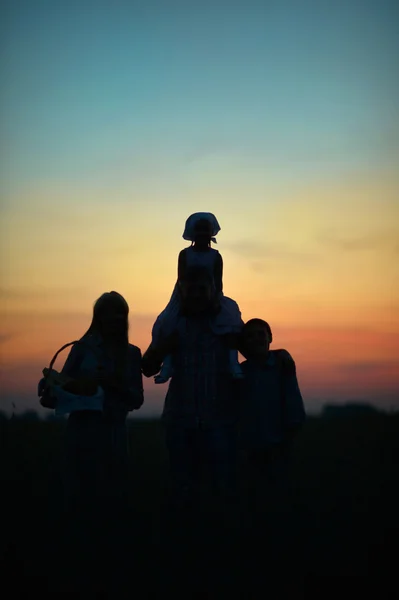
(201, 228)
(110, 317)
(202, 232)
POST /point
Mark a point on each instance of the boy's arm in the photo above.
(294, 410)
(218, 273)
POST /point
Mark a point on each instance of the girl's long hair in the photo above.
(107, 301)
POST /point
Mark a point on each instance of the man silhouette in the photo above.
(200, 410)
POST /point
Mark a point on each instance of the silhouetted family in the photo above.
(217, 413)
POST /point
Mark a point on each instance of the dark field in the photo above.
(341, 519)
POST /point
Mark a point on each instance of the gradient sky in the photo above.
(119, 119)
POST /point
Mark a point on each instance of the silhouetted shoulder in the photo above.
(285, 355)
(183, 254)
(232, 306)
(286, 360)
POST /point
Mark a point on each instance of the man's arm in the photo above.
(294, 410)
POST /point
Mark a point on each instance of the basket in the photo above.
(53, 396)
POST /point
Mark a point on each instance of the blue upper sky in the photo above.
(123, 89)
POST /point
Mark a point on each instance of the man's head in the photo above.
(197, 290)
(256, 338)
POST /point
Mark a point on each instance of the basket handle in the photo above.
(63, 348)
(59, 352)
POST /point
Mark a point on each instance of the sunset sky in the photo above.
(281, 117)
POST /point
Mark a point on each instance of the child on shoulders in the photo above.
(201, 229)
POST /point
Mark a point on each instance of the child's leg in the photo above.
(166, 370)
(235, 367)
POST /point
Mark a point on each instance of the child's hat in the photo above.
(199, 216)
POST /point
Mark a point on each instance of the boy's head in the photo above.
(256, 338)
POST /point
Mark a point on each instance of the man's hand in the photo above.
(154, 355)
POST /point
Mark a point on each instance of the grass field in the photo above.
(341, 516)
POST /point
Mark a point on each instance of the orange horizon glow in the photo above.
(324, 276)
(282, 122)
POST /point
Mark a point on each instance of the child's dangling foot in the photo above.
(235, 367)
(166, 371)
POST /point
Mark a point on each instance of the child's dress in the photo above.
(228, 320)
(193, 259)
